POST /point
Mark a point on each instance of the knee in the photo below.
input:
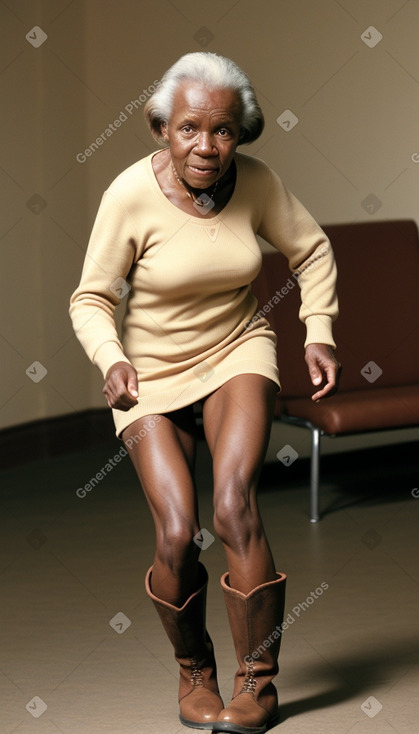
(236, 515)
(175, 544)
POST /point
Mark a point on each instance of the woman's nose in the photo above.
(204, 144)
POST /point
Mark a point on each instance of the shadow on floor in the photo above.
(368, 476)
(355, 675)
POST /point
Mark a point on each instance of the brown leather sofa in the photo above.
(377, 334)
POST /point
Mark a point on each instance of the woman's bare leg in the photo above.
(237, 423)
(164, 461)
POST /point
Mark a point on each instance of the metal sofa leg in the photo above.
(314, 478)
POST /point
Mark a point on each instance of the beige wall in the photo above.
(358, 111)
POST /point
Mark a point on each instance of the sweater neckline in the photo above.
(183, 215)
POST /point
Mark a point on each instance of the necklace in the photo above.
(202, 199)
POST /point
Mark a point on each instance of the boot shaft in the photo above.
(199, 698)
(185, 626)
(256, 626)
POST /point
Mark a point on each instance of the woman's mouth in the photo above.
(201, 171)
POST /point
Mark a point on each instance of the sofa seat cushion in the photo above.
(359, 410)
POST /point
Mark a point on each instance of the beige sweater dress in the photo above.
(189, 321)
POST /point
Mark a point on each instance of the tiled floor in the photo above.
(82, 650)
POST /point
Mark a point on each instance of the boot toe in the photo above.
(244, 715)
(200, 709)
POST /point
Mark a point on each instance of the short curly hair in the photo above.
(216, 72)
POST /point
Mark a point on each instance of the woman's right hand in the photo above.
(121, 386)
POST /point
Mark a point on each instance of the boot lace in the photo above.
(249, 684)
(196, 673)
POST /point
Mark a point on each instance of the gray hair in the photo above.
(216, 72)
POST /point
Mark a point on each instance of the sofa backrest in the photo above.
(377, 331)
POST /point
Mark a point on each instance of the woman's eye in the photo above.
(223, 132)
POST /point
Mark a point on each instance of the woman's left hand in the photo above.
(324, 369)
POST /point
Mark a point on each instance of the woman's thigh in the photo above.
(164, 460)
(237, 423)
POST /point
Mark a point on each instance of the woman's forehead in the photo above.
(196, 97)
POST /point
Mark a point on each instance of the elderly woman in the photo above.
(176, 234)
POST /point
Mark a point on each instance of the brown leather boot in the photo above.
(256, 625)
(199, 697)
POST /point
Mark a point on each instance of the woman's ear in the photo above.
(163, 130)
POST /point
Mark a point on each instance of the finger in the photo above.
(315, 372)
(118, 396)
(316, 377)
(124, 402)
(128, 396)
(133, 386)
(330, 386)
(108, 393)
(322, 393)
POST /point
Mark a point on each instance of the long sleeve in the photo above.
(110, 255)
(288, 226)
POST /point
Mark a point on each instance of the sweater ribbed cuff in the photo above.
(319, 331)
(108, 354)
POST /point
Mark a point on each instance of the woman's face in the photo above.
(203, 132)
